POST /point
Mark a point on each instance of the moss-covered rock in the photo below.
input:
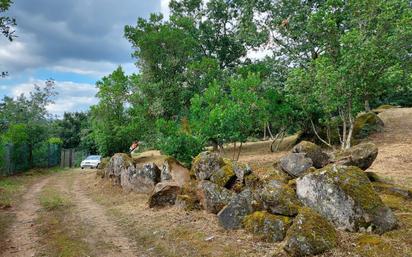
(295, 164)
(266, 226)
(344, 196)
(225, 176)
(314, 152)
(361, 155)
(391, 189)
(310, 234)
(278, 198)
(205, 164)
(232, 215)
(213, 197)
(366, 124)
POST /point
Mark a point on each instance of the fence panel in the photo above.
(16, 158)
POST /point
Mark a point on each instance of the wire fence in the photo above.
(16, 158)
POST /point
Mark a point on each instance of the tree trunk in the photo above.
(367, 106)
(240, 149)
(234, 151)
(264, 132)
(317, 135)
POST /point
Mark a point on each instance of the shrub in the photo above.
(182, 146)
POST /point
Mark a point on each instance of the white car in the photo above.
(91, 161)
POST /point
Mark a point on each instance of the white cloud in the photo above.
(164, 8)
(71, 96)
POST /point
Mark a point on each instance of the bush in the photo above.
(182, 146)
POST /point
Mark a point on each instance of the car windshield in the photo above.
(93, 158)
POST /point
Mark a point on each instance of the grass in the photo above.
(59, 229)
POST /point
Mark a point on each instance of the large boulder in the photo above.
(295, 164)
(366, 124)
(173, 170)
(362, 156)
(345, 196)
(118, 163)
(164, 194)
(310, 234)
(140, 179)
(205, 164)
(266, 226)
(278, 198)
(213, 197)
(221, 171)
(232, 215)
(319, 158)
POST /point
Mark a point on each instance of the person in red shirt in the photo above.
(134, 147)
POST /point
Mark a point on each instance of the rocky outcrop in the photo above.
(118, 163)
(266, 226)
(232, 215)
(173, 170)
(366, 124)
(295, 164)
(344, 196)
(213, 197)
(309, 235)
(140, 179)
(164, 194)
(362, 156)
(314, 152)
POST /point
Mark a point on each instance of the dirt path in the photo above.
(23, 237)
(394, 160)
(101, 230)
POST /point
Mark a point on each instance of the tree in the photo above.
(70, 128)
(6, 24)
(26, 119)
(109, 117)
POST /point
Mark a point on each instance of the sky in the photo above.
(74, 42)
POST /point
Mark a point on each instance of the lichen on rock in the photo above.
(345, 196)
(310, 234)
(266, 226)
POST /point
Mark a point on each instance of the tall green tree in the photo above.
(109, 116)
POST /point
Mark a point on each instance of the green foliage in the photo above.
(182, 146)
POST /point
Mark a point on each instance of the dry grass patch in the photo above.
(59, 230)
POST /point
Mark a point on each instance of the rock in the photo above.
(252, 181)
(187, 202)
(205, 164)
(295, 164)
(344, 196)
(366, 124)
(309, 235)
(278, 198)
(391, 189)
(319, 158)
(213, 197)
(225, 176)
(232, 215)
(164, 194)
(241, 170)
(173, 170)
(362, 156)
(268, 227)
(140, 179)
(118, 163)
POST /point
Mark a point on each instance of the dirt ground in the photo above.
(74, 213)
